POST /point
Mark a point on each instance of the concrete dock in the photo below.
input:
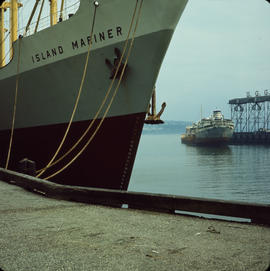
(39, 233)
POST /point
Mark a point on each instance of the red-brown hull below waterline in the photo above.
(106, 163)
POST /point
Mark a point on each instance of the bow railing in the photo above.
(35, 26)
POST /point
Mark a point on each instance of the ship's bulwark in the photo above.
(107, 162)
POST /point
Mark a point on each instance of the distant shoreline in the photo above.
(168, 127)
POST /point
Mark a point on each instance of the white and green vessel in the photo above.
(214, 130)
(46, 74)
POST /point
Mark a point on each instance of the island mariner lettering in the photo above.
(48, 54)
(101, 36)
(97, 37)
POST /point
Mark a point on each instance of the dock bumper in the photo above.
(257, 213)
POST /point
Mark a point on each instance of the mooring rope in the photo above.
(39, 15)
(106, 96)
(2, 41)
(15, 103)
(78, 96)
(108, 108)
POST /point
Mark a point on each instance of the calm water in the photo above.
(164, 165)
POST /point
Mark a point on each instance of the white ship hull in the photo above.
(51, 69)
(214, 135)
(214, 130)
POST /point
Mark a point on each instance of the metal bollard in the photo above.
(28, 167)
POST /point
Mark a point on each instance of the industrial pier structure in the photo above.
(251, 116)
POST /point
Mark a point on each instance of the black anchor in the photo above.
(116, 61)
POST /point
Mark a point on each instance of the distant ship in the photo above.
(213, 130)
(111, 51)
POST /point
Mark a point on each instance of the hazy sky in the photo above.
(219, 51)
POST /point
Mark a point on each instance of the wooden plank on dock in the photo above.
(258, 213)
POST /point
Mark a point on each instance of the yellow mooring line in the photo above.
(78, 97)
(15, 103)
(105, 98)
(113, 96)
